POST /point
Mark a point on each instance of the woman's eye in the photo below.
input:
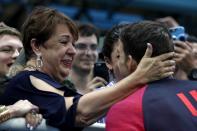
(73, 44)
(64, 42)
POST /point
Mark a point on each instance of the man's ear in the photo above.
(108, 63)
(35, 47)
(131, 63)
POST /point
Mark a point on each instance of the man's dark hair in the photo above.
(136, 36)
(87, 29)
(110, 39)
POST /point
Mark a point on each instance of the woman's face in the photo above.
(119, 61)
(10, 47)
(121, 64)
(57, 53)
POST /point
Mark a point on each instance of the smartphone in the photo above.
(178, 33)
(101, 70)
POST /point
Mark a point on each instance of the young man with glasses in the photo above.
(82, 74)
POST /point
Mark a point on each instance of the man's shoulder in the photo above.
(130, 106)
(134, 99)
(166, 100)
(172, 84)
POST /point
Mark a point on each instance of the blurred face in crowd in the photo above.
(120, 63)
(57, 53)
(86, 53)
(10, 47)
(194, 47)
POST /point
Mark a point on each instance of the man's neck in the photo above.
(81, 79)
(180, 75)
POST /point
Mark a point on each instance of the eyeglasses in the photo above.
(83, 46)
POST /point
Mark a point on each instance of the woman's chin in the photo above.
(65, 72)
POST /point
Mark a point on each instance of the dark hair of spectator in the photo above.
(136, 36)
(41, 24)
(86, 30)
(112, 36)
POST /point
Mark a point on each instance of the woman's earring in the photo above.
(39, 62)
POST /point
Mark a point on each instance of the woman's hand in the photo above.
(21, 107)
(24, 107)
(33, 119)
(155, 68)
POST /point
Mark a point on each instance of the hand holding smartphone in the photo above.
(178, 33)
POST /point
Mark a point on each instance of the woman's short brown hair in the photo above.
(41, 25)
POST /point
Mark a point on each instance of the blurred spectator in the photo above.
(185, 59)
(10, 45)
(193, 41)
(184, 52)
(168, 21)
(82, 73)
(192, 65)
